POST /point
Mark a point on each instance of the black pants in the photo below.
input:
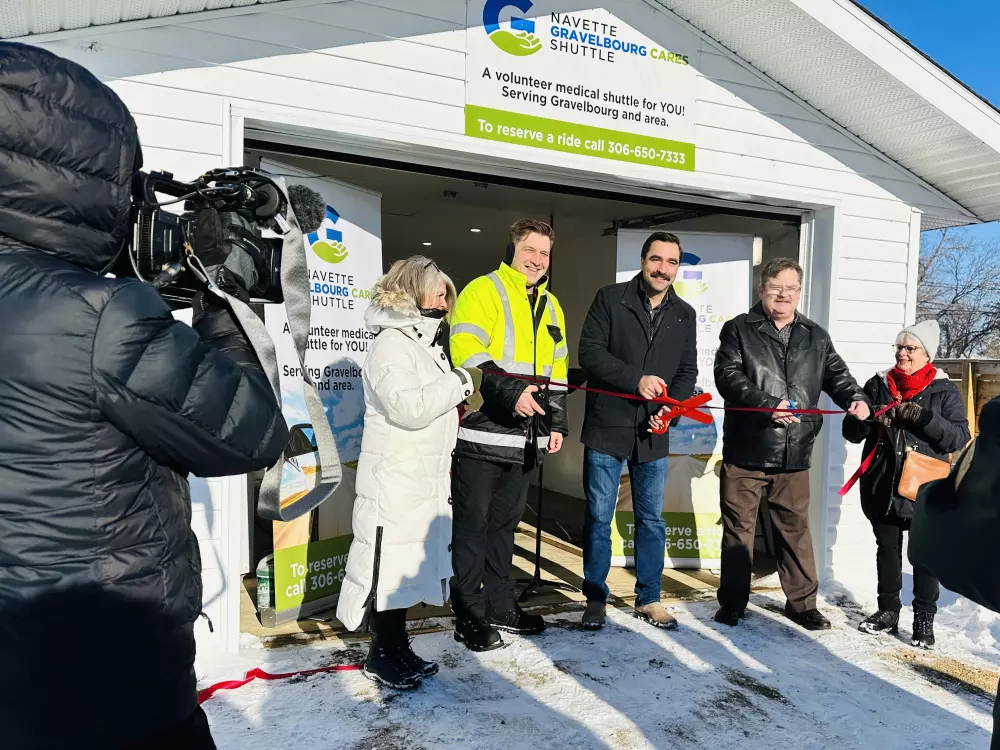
(388, 626)
(191, 734)
(889, 562)
(489, 500)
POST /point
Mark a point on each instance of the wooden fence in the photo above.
(977, 379)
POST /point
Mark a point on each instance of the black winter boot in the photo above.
(418, 665)
(729, 616)
(387, 660)
(515, 620)
(476, 633)
(923, 630)
(883, 621)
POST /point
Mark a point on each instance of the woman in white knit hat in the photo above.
(928, 417)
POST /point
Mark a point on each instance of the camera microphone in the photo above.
(309, 207)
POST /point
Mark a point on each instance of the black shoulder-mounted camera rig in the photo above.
(232, 205)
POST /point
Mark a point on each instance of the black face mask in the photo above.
(434, 313)
(442, 337)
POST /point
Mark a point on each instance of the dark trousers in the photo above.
(489, 500)
(788, 500)
(191, 734)
(388, 626)
(889, 563)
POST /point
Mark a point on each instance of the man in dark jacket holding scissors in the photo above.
(638, 339)
(774, 359)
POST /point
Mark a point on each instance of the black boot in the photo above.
(923, 630)
(387, 662)
(515, 620)
(418, 665)
(729, 616)
(476, 633)
(883, 621)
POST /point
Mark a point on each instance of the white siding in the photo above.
(386, 61)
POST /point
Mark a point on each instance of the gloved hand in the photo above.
(884, 420)
(226, 245)
(911, 413)
(477, 378)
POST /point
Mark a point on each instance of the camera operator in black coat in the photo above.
(107, 404)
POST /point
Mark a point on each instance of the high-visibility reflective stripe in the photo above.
(472, 328)
(491, 438)
(476, 359)
(518, 368)
(556, 387)
(547, 371)
(508, 317)
(543, 442)
(552, 310)
(561, 351)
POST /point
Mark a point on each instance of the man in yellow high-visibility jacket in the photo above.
(506, 321)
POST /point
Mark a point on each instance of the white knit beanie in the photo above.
(927, 332)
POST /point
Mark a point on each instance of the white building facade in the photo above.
(803, 107)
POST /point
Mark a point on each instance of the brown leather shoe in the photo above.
(656, 615)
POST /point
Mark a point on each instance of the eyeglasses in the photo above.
(776, 290)
(909, 349)
(430, 263)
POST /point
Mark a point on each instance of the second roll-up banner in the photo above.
(345, 260)
(714, 278)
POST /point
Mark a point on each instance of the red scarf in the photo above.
(903, 387)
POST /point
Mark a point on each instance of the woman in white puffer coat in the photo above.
(401, 553)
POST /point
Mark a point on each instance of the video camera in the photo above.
(165, 247)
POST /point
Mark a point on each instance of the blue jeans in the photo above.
(601, 475)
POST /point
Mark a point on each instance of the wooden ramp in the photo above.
(561, 561)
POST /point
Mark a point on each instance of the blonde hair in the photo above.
(415, 278)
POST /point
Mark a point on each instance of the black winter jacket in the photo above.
(945, 433)
(616, 352)
(754, 368)
(106, 405)
(956, 520)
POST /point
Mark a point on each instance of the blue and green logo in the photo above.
(519, 39)
(326, 241)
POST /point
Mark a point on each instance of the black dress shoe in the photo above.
(730, 616)
(811, 619)
(515, 620)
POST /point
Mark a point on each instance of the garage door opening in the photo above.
(461, 220)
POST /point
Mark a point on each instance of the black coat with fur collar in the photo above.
(947, 431)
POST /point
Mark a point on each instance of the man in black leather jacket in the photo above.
(775, 358)
(107, 404)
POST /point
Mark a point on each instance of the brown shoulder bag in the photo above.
(919, 469)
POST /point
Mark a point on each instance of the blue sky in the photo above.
(961, 36)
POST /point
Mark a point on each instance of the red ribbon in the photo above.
(658, 399)
(867, 462)
(253, 674)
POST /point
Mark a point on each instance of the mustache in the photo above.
(659, 276)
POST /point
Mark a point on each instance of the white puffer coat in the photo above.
(402, 514)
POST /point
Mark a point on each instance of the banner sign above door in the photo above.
(578, 81)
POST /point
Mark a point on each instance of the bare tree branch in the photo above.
(959, 285)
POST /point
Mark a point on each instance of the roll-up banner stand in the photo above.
(345, 260)
(714, 278)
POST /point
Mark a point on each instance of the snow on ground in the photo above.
(766, 684)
